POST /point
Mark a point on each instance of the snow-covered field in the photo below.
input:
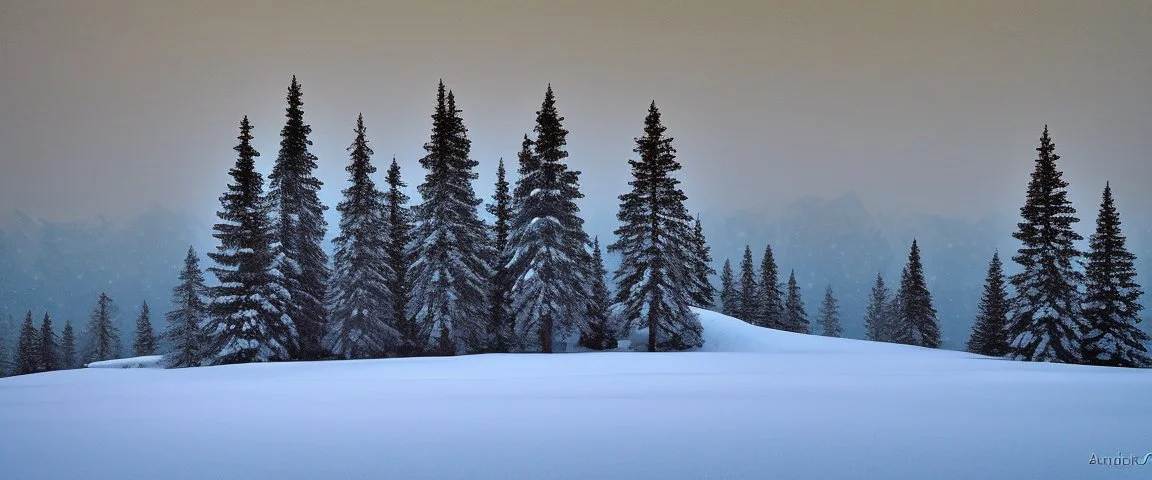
(756, 404)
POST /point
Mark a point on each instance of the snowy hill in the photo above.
(755, 404)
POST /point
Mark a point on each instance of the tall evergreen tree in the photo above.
(145, 342)
(28, 349)
(990, 330)
(769, 297)
(49, 353)
(501, 325)
(703, 293)
(795, 318)
(728, 293)
(917, 321)
(451, 273)
(247, 318)
(1045, 323)
(830, 315)
(746, 289)
(1112, 296)
(68, 347)
(599, 332)
(189, 315)
(413, 339)
(875, 324)
(360, 303)
(548, 259)
(300, 228)
(103, 338)
(654, 242)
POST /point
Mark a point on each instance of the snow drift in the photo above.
(148, 361)
(754, 404)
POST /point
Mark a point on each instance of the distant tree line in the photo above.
(42, 350)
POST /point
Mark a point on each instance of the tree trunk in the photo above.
(546, 334)
(652, 329)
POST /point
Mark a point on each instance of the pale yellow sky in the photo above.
(107, 106)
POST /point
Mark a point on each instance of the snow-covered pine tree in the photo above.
(49, 351)
(189, 315)
(28, 348)
(795, 318)
(769, 297)
(728, 294)
(990, 330)
(247, 321)
(703, 293)
(746, 290)
(413, 339)
(1045, 324)
(894, 323)
(829, 318)
(103, 338)
(145, 340)
(452, 269)
(918, 324)
(299, 230)
(359, 301)
(550, 292)
(875, 325)
(1112, 296)
(599, 332)
(68, 347)
(501, 326)
(654, 242)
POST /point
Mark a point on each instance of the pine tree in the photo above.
(795, 318)
(1045, 322)
(550, 290)
(703, 293)
(300, 228)
(769, 297)
(360, 304)
(413, 339)
(68, 347)
(189, 315)
(49, 352)
(247, 318)
(747, 289)
(894, 324)
(28, 349)
(103, 338)
(599, 333)
(728, 294)
(875, 324)
(451, 273)
(830, 315)
(990, 330)
(145, 340)
(1111, 298)
(502, 325)
(654, 242)
(917, 322)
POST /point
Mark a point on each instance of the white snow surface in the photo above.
(148, 361)
(753, 404)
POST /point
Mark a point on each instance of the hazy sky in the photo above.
(108, 106)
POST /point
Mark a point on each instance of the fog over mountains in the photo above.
(62, 267)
